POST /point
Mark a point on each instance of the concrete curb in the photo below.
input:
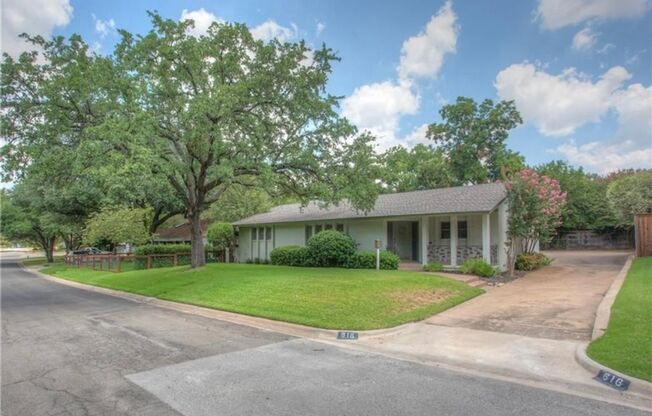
(637, 387)
(603, 313)
(285, 328)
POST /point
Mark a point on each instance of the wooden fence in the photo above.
(127, 262)
(643, 232)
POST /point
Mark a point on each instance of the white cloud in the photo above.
(555, 14)
(103, 27)
(633, 107)
(320, 27)
(558, 104)
(271, 30)
(202, 18)
(418, 135)
(606, 157)
(606, 48)
(423, 55)
(37, 17)
(378, 108)
(584, 39)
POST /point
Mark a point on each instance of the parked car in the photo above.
(88, 250)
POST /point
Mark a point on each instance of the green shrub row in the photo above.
(367, 260)
(183, 259)
(331, 248)
(479, 267)
(531, 261)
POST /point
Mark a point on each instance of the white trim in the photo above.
(486, 238)
(453, 242)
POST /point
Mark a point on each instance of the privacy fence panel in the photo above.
(643, 227)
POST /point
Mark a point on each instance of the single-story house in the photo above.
(448, 225)
(180, 233)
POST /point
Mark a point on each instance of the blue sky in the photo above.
(580, 71)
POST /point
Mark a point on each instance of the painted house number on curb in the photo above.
(347, 335)
(612, 380)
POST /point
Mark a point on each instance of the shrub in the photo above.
(221, 235)
(367, 260)
(182, 260)
(531, 261)
(289, 256)
(330, 248)
(478, 267)
(433, 266)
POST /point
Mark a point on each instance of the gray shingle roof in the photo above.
(460, 199)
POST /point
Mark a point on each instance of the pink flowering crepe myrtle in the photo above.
(536, 204)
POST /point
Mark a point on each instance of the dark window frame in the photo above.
(445, 230)
(462, 229)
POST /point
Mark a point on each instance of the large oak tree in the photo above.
(224, 109)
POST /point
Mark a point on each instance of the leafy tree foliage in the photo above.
(24, 218)
(586, 203)
(118, 225)
(630, 195)
(239, 202)
(221, 235)
(224, 109)
(422, 167)
(472, 136)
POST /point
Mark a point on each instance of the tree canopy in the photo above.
(630, 195)
(472, 136)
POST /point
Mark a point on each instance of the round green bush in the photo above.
(330, 248)
(367, 260)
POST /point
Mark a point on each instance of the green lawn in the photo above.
(321, 297)
(626, 345)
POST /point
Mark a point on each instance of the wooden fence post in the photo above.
(175, 261)
(149, 261)
(117, 265)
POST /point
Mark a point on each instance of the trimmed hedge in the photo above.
(531, 261)
(433, 266)
(289, 256)
(367, 260)
(330, 248)
(478, 267)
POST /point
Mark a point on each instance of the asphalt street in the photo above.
(67, 351)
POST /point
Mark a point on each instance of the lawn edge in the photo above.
(637, 387)
(603, 313)
(283, 327)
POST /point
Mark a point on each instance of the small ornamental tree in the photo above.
(118, 225)
(536, 203)
(630, 195)
(221, 235)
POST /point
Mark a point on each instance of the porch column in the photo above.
(425, 237)
(453, 240)
(486, 238)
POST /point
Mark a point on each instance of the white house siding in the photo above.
(289, 235)
(366, 231)
(244, 244)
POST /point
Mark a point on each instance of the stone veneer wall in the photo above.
(442, 253)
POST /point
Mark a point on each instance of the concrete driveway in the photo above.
(556, 302)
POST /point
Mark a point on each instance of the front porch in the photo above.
(448, 239)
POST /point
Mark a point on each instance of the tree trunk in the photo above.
(197, 255)
(49, 249)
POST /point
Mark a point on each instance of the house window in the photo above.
(261, 233)
(328, 226)
(317, 228)
(308, 232)
(445, 233)
(253, 234)
(461, 229)
(268, 233)
(339, 227)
